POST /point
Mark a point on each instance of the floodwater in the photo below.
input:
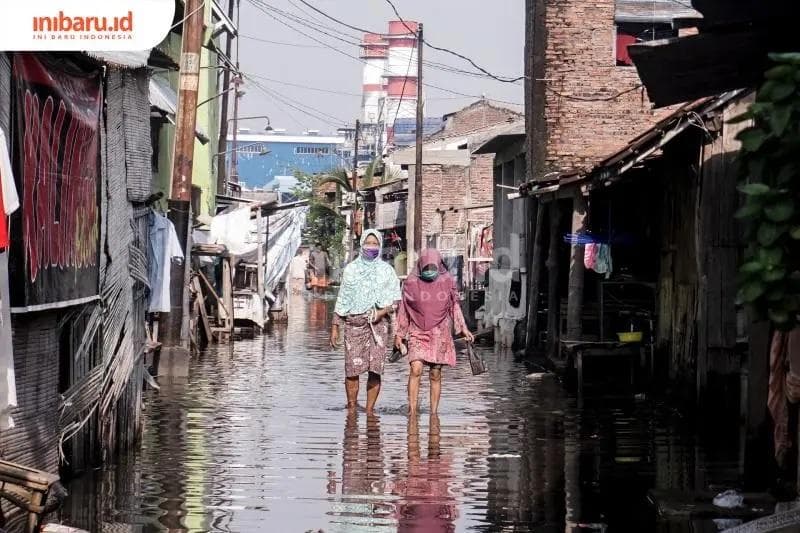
(258, 440)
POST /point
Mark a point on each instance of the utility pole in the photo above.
(418, 165)
(222, 146)
(234, 173)
(176, 331)
(355, 190)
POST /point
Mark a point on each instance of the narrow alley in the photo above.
(258, 440)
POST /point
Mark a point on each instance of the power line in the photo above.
(594, 98)
(348, 39)
(299, 106)
(456, 54)
(259, 5)
(295, 45)
(346, 25)
(300, 86)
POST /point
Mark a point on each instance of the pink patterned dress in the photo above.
(435, 347)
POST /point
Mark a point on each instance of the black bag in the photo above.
(475, 361)
(397, 354)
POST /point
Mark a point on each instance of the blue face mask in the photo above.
(429, 275)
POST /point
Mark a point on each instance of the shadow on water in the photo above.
(258, 439)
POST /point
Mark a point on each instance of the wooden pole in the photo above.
(260, 260)
(535, 281)
(418, 161)
(186, 120)
(222, 145)
(577, 270)
(552, 281)
(176, 322)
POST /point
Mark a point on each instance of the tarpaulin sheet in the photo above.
(239, 233)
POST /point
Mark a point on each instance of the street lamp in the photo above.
(234, 173)
(267, 128)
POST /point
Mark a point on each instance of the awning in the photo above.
(129, 60)
(644, 146)
(164, 98)
(511, 134)
(653, 11)
(730, 51)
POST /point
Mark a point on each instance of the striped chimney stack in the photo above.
(374, 52)
(390, 75)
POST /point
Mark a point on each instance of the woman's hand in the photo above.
(468, 336)
(398, 342)
(334, 341)
(380, 314)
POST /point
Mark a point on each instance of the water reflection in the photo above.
(258, 440)
(426, 504)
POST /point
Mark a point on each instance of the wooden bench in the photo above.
(27, 489)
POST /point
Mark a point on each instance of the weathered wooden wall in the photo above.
(676, 335)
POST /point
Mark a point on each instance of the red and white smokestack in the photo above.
(401, 70)
(374, 52)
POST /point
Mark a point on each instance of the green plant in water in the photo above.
(323, 223)
(769, 278)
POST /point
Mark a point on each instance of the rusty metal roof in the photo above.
(635, 151)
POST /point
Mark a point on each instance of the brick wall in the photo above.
(579, 62)
(445, 187)
(481, 114)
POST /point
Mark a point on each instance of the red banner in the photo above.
(57, 161)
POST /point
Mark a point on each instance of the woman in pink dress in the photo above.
(428, 313)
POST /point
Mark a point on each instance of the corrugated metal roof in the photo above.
(164, 98)
(122, 59)
(635, 151)
(502, 136)
(658, 11)
(459, 158)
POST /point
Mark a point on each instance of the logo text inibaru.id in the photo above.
(67, 23)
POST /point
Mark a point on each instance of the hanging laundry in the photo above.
(590, 256)
(603, 263)
(9, 202)
(164, 247)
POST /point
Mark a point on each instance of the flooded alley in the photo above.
(258, 440)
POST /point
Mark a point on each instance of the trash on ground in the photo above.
(730, 499)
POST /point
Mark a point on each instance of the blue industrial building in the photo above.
(265, 160)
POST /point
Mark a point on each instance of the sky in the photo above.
(491, 35)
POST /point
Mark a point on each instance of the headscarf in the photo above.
(367, 284)
(429, 303)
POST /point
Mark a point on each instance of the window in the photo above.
(312, 150)
(629, 33)
(252, 148)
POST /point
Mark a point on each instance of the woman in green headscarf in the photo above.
(365, 310)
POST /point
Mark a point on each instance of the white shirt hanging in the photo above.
(164, 247)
